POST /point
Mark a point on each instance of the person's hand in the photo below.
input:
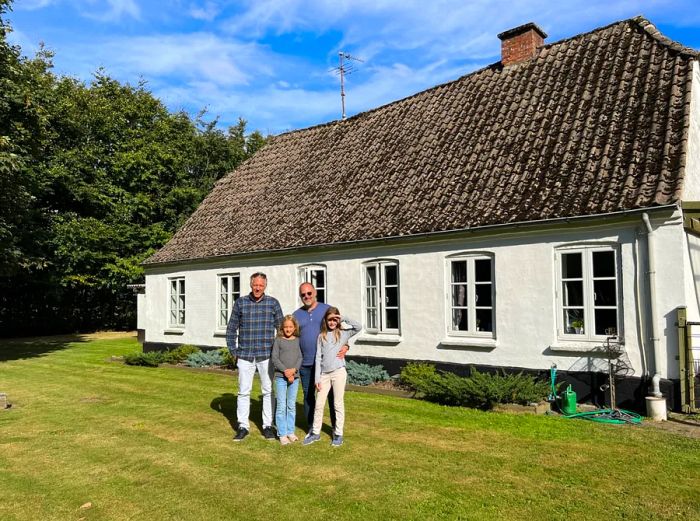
(288, 373)
(290, 379)
(343, 350)
(318, 387)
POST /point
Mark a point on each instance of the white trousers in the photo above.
(246, 372)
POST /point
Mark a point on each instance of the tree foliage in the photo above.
(93, 179)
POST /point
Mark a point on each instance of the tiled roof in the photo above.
(594, 124)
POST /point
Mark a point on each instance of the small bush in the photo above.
(180, 353)
(205, 359)
(480, 390)
(364, 374)
(228, 361)
(150, 359)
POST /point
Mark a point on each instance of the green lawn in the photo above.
(150, 444)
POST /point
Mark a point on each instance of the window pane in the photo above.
(318, 279)
(224, 285)
(236, 285)
(573, 321)
(603, 264)
(460, 320)
(321, 295)
(573, 293)
(482, 270)
(392, 318)
(371, 278)
(391, 275)
(173, 315)
(459, 271)
(371, 318)
(605, 293)
(483, 294)
(182, 286)
(571, 266)
(371, 298)
(459, 295)
(182, 317)
(605, 322)
(223, 317)
(392, 297)
(484, 320)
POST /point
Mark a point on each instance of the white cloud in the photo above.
(209, 11)
(117, 11)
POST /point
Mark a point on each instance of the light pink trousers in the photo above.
(335, 379)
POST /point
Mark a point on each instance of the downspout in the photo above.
(656, 379)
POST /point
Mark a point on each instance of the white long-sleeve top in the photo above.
(327, 349)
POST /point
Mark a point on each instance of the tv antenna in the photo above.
(346, 67)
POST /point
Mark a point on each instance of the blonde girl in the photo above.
(286, 359)
(330, 372)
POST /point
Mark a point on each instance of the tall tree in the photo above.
(93, 179)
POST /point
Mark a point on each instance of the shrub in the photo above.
(364, 374)
(481, 390)
(228, 361)
(150, 359)
(204, 359)
(180, 353)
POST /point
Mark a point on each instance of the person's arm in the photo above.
(319, 356)
(279, 316)
(355, 327)
(232, 329)
(299, 359)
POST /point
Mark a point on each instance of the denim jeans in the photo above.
(246, 371)
(308, 386)
(286, 413)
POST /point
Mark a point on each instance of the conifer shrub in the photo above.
(180, 353)
(150, 359)
(228, 361)
(480, 390)
(364, 374)
(204, 359)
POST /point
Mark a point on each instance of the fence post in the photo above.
(681, 315)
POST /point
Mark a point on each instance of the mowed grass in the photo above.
(151, 444)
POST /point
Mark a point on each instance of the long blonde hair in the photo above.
(288, 318)
(324, 329)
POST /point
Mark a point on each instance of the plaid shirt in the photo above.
(252, 327)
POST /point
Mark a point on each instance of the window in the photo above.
(316, 275)
(229, 291)
(588, 296)
(177, 302)
(471, 295)
(382, 297)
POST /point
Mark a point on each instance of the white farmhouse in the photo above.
(520, 216)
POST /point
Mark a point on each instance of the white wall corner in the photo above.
(691, 182)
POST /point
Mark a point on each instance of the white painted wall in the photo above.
(691, 182)
(525, 281)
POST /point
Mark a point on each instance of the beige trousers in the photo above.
(335, 379)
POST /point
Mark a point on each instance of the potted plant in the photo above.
(578, 326)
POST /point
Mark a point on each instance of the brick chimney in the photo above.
(521, 43)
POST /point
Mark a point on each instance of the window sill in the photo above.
(219, 333)
(172, 331)
(471, 343)
(379, 339)
(580, 346)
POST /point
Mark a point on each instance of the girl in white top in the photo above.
(330, 371)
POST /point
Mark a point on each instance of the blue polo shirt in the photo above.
(310, 327)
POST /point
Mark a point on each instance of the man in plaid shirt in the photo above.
(249, 336)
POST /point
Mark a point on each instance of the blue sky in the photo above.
(271, 61)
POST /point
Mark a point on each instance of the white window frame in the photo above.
(308, 273)
(471, 304)
(589, 306)
(177, 300)
(379, 291)
(231, 296)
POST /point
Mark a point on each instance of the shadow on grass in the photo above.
(32, 347)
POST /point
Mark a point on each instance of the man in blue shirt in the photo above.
(249, 336)
(310, 315)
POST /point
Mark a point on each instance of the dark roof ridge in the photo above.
(643, 23)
